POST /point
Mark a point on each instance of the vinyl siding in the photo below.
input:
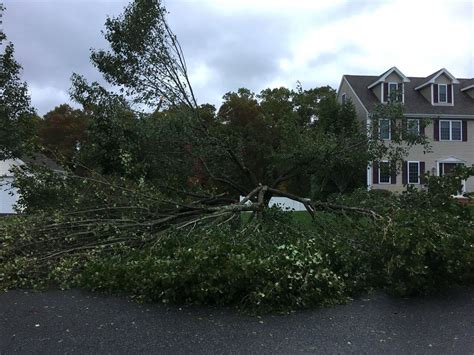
(360, 110)
(440, 151)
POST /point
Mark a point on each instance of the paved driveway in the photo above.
(81, 322)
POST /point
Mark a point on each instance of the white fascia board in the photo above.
(436, 115)
(433, 79)
(387, 73)
(451, 159)
(468, 87)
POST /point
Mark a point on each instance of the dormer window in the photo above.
(442, 93)
(393, 94)
(392, 87)
(442, 88)
(389, 82)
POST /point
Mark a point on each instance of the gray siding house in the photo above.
(447, 102)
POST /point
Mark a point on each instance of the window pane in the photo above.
(413, 126)
(384, 129)
(413, 175)
(456, 130)
(392, 91)
(444, 130)
(384, 172)
(442, 93)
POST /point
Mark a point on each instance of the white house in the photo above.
(8, 195)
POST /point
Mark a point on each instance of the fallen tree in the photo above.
(103, 212)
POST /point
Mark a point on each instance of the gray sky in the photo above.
(251, 43)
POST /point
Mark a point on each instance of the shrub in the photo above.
(270, 268)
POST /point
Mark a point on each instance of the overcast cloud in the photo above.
(251, 43)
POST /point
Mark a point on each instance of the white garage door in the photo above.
(8, 195)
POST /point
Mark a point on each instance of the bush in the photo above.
(426, 246)
(271, 268)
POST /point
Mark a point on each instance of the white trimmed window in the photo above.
(384, 172)
(343, 98)
(384, 129)
(413, 126)
(413, 172)
(442, 93)
(392, 90)
(450, 130)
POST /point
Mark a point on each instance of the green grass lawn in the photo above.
(302, 217)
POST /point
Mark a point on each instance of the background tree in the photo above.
(17, 118)
(62, 131)
(346, 172)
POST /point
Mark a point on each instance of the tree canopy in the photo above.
(17, 117)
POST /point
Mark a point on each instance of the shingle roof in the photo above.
(414, 100)
(41, 160)
(467, 83)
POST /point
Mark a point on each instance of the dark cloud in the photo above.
(227, 44)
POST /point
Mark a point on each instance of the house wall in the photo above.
(8, 195)
(443, 79)
(440, 151)
(6, 165)
(393, 77)
(350, 94)
(377, 90)
(426, 92)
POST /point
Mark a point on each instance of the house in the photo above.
(9, 195)
(448, 104)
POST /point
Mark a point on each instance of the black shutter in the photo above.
(393, 177)
(375, 173)
(450, 93)
(393, 129)
(385, 92)
(435, 93)
(405, 173)
(464, 131)
(422, 172)
(375, 129)
(436, 130)
(422, 127)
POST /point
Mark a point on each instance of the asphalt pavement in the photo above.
(80, 322)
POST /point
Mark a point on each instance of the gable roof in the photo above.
(384, 76)
(415, 103)
(431, 78)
